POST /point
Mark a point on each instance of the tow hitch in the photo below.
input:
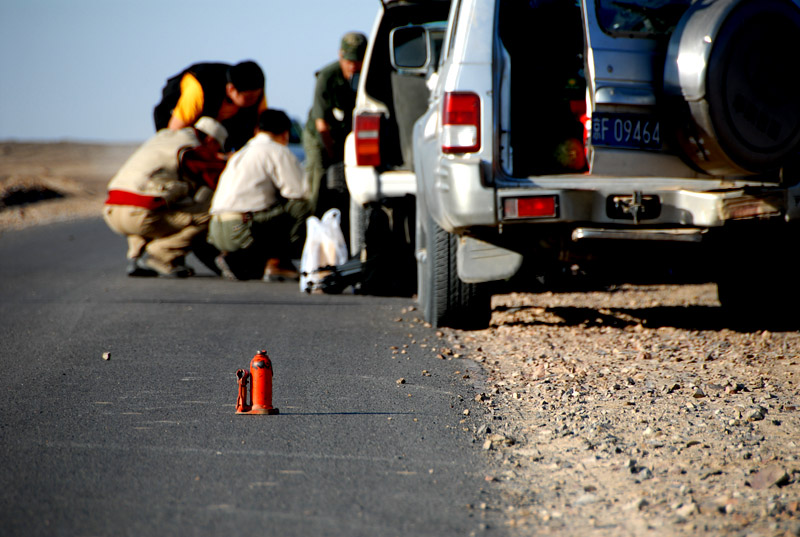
(636, 207)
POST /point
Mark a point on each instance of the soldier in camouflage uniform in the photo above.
(330, 120)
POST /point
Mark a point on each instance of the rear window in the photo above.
(640, 18)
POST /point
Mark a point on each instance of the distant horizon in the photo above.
(86, 72)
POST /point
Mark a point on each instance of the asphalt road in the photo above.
(148, 443)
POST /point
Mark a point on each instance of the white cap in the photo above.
(213, 128)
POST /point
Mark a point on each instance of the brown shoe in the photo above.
(176, 269)
(278, 271)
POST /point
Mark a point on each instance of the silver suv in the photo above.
(633, 135)
(378, 161)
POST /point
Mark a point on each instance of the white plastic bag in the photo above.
(324, 246)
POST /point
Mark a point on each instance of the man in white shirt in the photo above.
(260, 205)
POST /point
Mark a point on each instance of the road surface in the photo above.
(148, 443)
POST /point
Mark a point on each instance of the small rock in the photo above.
(500, 440)
(106, 356)
(698, 393)
(586, 499)
(466, 412)
(637, 505)
(644, 474)
(401, 381)
(689, 509)
(754, 414)
(773, 475)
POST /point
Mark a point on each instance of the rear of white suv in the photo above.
(562, 133)
(378, 160)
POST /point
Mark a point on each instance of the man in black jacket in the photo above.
(232, 94)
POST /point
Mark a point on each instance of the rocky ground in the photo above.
(630, 410)
(633, 411)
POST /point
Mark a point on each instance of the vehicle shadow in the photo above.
(698, 317)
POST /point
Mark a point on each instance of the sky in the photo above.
(92, 70)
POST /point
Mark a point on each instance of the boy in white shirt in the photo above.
(260, 205)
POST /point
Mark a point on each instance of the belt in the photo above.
(231, 217)
(121, 197)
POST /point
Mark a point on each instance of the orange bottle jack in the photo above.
(260, 376)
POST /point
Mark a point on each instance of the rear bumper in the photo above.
(367, 185)
(462, 200)
(667, 205)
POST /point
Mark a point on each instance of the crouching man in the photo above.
(161, 206)
(259, 209)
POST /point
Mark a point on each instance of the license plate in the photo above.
(631, 131)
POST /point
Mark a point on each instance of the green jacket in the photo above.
(334, 100)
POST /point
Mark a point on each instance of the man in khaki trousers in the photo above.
(159, 199)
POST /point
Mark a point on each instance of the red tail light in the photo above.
(368, 142)
(532, 207)
(461, 123)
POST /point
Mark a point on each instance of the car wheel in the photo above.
(358, 228)
(423, 267)
(445, 299)
(756, 285)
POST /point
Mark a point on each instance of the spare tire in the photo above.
(728, 66)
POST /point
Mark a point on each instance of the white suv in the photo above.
(377, 161)
(629, 135)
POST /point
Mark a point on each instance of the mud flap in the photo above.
(478, 261)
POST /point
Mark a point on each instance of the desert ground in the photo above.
(59, 181)
(616, 411)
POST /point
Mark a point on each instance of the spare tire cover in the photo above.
(730, 63)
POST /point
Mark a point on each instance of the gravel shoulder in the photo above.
(633, 411)
(630, 410)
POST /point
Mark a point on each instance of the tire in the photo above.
(739, 107)
(445, 299)
(757, 285)
(358, 229)
(381, 237)
(334, 178)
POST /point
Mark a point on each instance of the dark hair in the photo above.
(246, 76)
(274, 121)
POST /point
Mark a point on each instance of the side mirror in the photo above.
(411, 49)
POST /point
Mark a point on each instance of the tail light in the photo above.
(368, 141)
(461, 123)
(531, 207)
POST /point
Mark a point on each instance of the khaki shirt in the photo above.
(153, 170)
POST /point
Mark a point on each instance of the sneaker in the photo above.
(278, 272)
(136, 269)
(224, 269)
